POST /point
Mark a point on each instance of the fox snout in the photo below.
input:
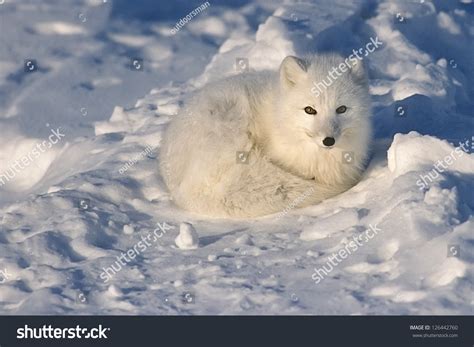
(325, 141)
(329, 141)
(327, 133)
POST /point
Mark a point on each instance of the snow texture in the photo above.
(96, 195)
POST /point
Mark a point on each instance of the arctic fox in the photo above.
(256, 143)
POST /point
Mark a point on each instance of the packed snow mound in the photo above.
(187, 238)
(88, 226)
(413, 152)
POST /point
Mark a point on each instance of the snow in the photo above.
(187, 238)
(96, 193)
(408, 153)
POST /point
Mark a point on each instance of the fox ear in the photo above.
(358, 71)
(292, 70)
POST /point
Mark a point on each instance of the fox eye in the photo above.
(310, 110)
(341, 109)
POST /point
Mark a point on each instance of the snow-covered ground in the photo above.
(74, 206)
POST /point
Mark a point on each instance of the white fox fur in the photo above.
(263, 114)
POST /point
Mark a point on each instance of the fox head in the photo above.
(322, 111)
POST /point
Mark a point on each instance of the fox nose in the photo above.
(329, 141)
